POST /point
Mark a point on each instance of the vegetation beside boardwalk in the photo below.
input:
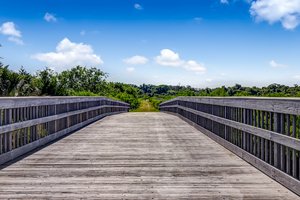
(83, 81)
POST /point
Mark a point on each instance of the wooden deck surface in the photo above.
(137, 156)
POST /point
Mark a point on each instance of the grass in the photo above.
(146, 106)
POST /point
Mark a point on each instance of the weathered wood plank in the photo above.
(24, 124)
(47, 116)
(137, 156)
(18, 102)
(279, 105)
(269, 135)
(271, 171)
(38, 143)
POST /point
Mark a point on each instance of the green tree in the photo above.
(83, 79)
(48, 83)
(222, 91)
(27, 84)
(8, 81)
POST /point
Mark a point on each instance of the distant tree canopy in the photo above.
(83, 81)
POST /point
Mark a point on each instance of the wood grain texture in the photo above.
(17, 102)
(137, 156)
(45, 140)
(270, 104)
(269, 135)
(274, 173)
(28, 123)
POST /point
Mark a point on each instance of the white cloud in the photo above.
(209, 80)
(69, 54)
(136, 60)
(168, 57)
(290, 22)
(130, 69)
(16, 40)
(9, 29)
(287, 12)
(138, 6)
(275, 64)
(224, 1)
(192, 65)
(50, 17)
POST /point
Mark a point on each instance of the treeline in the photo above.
(157, 94)
(83, 81)
(78, 81)
(273, 90)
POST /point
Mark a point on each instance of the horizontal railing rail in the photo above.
(263, 131)
(27, 123)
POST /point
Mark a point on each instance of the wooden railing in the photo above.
(30, 122)
(263, 131)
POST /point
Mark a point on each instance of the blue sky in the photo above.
(187, 42)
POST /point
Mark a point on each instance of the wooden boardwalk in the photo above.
(137, 156)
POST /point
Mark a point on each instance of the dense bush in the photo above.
(83, 81)
(78, 81)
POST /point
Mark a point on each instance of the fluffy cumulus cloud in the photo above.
(136, 60)
(224, 1)
(9, 28)
(275, 64)
(192, 65)
(69, 54)
(14, 35)
(168, 57)
(50, 17)
(138, 6)
(287, 12)
(16, 40)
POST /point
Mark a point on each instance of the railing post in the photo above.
(282, 148)
(244, 133)
(9, 135)
(55, 122)
(225, 126)
(294, 164)
(288, 164)
(276, 152)
(262, 142)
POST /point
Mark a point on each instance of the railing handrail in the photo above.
(17, 102)
(32, 122)
(266, 134)
(281, 105)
